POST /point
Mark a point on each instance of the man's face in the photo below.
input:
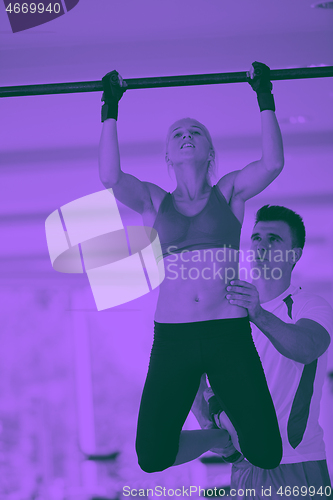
(272, 246)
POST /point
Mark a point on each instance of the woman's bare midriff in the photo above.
(194, 287)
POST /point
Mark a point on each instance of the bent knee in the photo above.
(267, 455)
(153, 465)
(267, 458)
(158, 457)
(263, 461)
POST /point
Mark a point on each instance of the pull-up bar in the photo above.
(164, 81)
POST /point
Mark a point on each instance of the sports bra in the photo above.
(215, 226)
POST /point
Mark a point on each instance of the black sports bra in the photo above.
(215, 226)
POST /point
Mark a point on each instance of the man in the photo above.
(291, 330)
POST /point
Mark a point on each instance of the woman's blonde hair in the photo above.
(211, 170)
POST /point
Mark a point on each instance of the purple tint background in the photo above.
(71, 378)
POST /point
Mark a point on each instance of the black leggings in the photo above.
(181, 353)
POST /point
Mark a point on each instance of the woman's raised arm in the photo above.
(127, 189)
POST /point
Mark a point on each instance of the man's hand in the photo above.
(244, 294)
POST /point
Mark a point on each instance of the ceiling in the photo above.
(129, 20)
(153, 38)
(48, 144)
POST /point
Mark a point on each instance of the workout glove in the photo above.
(113, 89)
(262, 85)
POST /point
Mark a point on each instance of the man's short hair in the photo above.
(295, 222)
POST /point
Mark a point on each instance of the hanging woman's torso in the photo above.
(200, 243)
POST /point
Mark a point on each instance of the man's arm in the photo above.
(303, 341)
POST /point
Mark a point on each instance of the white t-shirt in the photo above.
(290, 383)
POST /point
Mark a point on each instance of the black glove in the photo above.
(262, 85)
(112, 93)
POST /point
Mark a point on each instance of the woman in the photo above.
(196, 329)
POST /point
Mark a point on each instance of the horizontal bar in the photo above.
(164, 81)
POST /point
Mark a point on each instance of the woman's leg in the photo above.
(172, 382)
(192, 444)
(238, 381)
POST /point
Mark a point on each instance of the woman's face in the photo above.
(187, 140)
